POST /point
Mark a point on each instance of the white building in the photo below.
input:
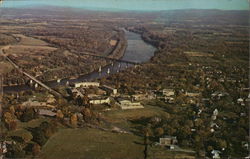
(87, 84)
(240, 101)
(189, 94)
(215, 112)
(216, 154)
(45, 112)
(126, 104)
(168, 92)
(100, 101)
(109, 89)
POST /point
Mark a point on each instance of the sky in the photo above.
(140, 5)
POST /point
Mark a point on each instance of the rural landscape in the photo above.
(167, 84)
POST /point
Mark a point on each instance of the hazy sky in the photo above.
(149, 5)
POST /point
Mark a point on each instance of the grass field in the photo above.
(92, 143)
(29, 45)
(30, 41)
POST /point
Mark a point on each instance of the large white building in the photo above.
(127, 104)
(100, 101)
(87, 84)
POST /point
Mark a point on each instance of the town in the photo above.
(73, 86)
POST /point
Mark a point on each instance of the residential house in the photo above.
(51, 99)
(169, 100)
(189, 94)
(113, 42)
(218, 94)
(140, 97)
(241, 101)
(75, 93)
(168, 92)
(45, 112)
(216, 154)
(168, 140)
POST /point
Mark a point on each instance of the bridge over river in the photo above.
(136, 53)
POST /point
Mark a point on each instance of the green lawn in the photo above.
(92, 143)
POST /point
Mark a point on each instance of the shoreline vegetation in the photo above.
(117, 52)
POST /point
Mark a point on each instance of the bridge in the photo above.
(109, 58)
(55, 93)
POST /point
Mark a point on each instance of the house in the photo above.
(215, 112)
(86, 84)
(51, 99)
(31, 103)
(113, 42)
(240, 101)
(169, 100)
(188, 94)
(3, 147)
(214, 125)
(219, 94)
(100, 100)
(45, 112)
(75, 93)
(127, 104)
(168, 141)
(168, 92)
(109, 89)
(216, 154)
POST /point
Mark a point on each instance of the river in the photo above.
(137, 51)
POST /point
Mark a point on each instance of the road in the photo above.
(27, 74)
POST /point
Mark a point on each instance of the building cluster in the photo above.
(96, 94)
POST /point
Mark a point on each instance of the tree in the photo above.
(15, 151)
(86, 114)
(159, 131)
(39, 137)
(36, 149)
(12, 125)
(12, 110)
(73, 120)
(28, 114)
(61, 102)
(10, 121)
(59, 115)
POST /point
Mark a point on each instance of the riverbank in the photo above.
(135, 49)
(117, 52)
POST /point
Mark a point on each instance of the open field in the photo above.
(28, 46)
(28, 49)
(25, 40)
(92, 143)
(121, 118)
